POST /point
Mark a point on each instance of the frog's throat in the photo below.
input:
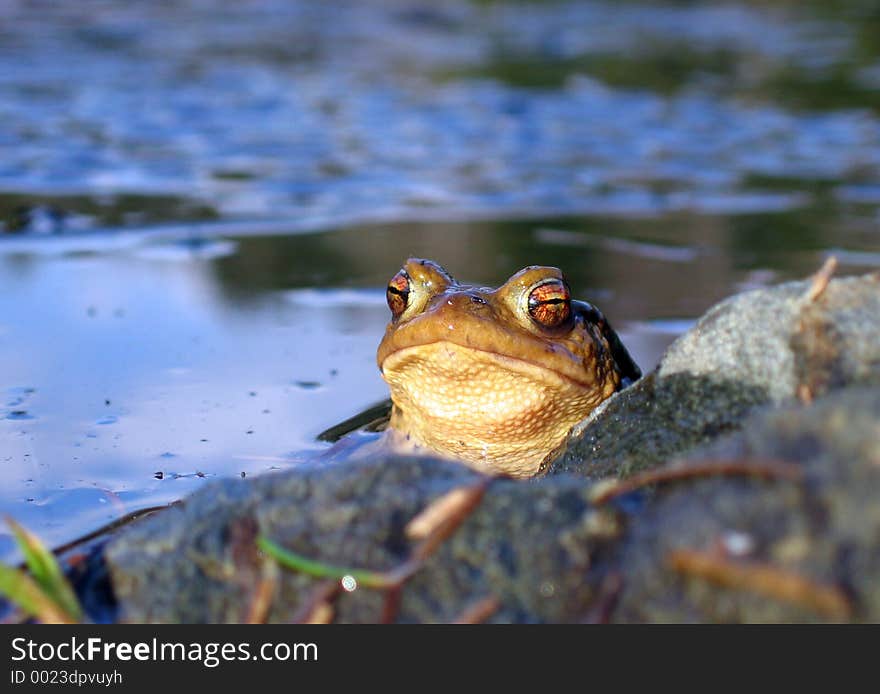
(493, 411)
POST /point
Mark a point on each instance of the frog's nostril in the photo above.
(477, 299)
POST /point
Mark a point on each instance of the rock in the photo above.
(817, 538)
(535, 547)
(760, 348)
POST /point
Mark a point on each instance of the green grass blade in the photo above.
(297, 562)
(22, 590)
(45, 570)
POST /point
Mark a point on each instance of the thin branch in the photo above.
(821, 279)
(111, 527)
(322, 614)
(479, 611)
(451, 504)
(318, 609)
(763, 469)
(805, 393)
(762, 579)
(391, 605)
(263, 595)
(606, 600)
(469, 501)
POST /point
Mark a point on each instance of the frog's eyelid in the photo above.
(563, 285)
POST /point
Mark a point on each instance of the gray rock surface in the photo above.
(535, 547)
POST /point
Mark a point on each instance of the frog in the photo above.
(495, 378)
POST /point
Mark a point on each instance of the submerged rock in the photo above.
(798, 374)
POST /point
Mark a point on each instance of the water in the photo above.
(204, 201)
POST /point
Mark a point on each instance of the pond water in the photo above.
(202, 203)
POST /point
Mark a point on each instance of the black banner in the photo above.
(274, 657)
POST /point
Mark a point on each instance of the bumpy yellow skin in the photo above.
(474, 378)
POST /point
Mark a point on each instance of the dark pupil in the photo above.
(534, 303)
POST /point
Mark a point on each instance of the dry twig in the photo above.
(821, 279)
(762, 579)
(263, 595)
(606, 600)
(318, 609)
(391, 605)
(479, 611)
(460, 499)
(763, 469)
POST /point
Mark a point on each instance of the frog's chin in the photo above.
(487, 409)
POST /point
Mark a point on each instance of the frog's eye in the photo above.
(397, 293)
(550, 303)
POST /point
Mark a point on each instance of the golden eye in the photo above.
(550, 303)
(397, 293)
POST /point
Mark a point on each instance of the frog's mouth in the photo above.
(451, 361)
